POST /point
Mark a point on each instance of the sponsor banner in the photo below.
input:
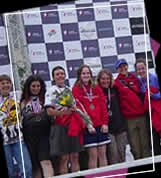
(73, 66)
(37, 52)
(50, 17)
(141, 43)
(135, 9)
(3, 40)
(70, 32)
(124, 45)
(4, 58)
(73, 50)
(41, 69)
(94, 64)
(87, 30)
(34, 34)
(55, 51)
(90, 48)
(105, 29)
(102, 11)
(109, 63)
(120, 11)
(68, 14)
(107, 47)
(32, 18)
(85, 14)
(121, 27)
(52, 33)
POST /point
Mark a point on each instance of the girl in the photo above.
(117, 126)
(67, 131)
(12, 134)
(155, 96)
(36, 126)
(93, 100)
(133, 110)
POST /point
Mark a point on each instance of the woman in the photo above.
(155, 96)
(117, 125)
(93, 100)
(36, 126)
(67, 131)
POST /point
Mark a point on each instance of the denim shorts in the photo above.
(96, 139)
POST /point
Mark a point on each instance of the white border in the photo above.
(115, 166)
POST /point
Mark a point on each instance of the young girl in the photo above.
(67, 131)
(12, 138)
(155, 96)
(133, 110)
(93, 100)
(36, 126)
(117, 125)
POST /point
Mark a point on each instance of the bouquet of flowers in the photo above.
(66, 99)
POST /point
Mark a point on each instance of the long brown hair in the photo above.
(107, 72)
(79, 71)
(26, 93)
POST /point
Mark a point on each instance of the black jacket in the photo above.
(117, 123)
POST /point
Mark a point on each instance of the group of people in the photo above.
(105, 116)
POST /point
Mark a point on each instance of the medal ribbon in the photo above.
(89, 94)
(144, 84)
(109, 99)
(35, 104)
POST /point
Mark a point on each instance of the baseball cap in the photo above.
(119, 62)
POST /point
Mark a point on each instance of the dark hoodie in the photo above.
(117, 123)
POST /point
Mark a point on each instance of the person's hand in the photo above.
(65, 111)
(104, 129)
(91, 129)
(73, 108)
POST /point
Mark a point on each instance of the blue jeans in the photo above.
(13, 150)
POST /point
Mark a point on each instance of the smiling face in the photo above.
(59, 77)
(35, 88)
(5, 87)
(123, 69)
(105, 80)
(85, 75)
(141, 69)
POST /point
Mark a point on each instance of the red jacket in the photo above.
(99, 114)
(155, 109)
(130, 103)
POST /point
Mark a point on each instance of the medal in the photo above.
(91, 106)
(110, 113)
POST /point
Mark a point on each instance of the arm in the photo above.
(54, 112)
(103, 106)
(154, 83)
